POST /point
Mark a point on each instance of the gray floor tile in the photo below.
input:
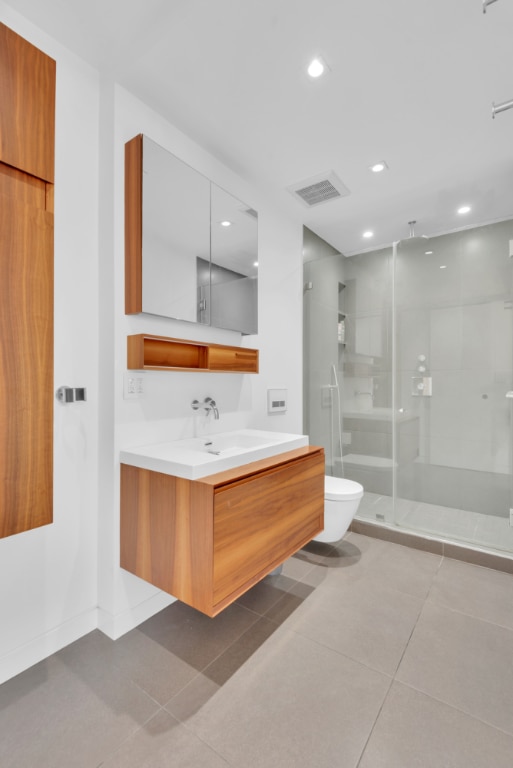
(222, 668)
(396, 566)
(147, 663)
(297, 673)
(296, 568)
(289, 603)
(192, 698)
(295, 704)
(416, 730)
(151, 666)
(363, 620)
(463, 661)
(195, 638)
(266, 593)
(477, 591)
(74, 714)
(164, 742)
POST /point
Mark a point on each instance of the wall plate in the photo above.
(276, 400)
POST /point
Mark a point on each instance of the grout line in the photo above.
(392, 680)
(456, 709)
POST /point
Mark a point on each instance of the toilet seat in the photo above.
(341, 489)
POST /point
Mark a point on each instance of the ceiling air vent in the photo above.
(319, 189)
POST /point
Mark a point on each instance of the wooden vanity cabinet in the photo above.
(208, 541)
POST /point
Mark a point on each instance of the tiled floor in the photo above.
(483, 530)
(366, 654)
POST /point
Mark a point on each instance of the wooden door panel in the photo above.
(27, 116)
(26, 365)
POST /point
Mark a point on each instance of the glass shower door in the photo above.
(453, 353)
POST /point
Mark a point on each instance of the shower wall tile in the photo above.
(464, 454)
(370, 281)
(446, 338)
(371, 443)
(501, 335)
(461, 405)
(477, 348)
(413, 337)
(419, 280)
(485, 265)
(321, 336)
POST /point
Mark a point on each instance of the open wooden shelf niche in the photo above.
(162, 353)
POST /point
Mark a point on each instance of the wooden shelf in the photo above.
(162, 353)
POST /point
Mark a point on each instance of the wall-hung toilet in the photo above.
(341, 500)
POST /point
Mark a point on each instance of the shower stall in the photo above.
(408, 380)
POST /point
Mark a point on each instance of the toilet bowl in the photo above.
(341, 500)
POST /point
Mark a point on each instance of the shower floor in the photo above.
(459, 525)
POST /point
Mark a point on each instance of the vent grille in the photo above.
(320, 189)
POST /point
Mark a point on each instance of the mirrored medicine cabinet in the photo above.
(191, 248)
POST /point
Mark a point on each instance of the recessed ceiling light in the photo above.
(255, 263)
(378, 167)
(226, 223)
(368, 233)
(443, 266)
(317, 67)
(428, 253)
(464, 209)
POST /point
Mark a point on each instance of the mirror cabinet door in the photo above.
(233, 263)
(175, 235)
(191, 247)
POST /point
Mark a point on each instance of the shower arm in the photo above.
(496, 108)
(486, 3)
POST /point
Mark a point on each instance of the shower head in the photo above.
(412, 237)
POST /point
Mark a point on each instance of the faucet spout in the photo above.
(210, 406)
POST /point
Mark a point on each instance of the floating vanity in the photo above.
(205, 519)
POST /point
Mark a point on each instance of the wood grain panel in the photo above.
(22, 187)
(167, 353)
(26, 364)
(259, 519)
(206, 542)
(223, 358)
(27, 116)
(166, 533)
(133, 225)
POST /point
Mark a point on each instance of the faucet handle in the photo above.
(195, 405)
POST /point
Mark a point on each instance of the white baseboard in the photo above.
(116, 626)
(50, 642)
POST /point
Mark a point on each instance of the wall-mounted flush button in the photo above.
(276, 400)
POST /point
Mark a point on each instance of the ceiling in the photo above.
(411, 82)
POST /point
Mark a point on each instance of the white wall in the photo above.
(48, 576)
(61, 581)
(164, 412)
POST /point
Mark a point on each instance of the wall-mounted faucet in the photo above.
(209, 404)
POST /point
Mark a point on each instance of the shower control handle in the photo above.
(421, 386)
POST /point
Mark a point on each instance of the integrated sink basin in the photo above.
(200, 456)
